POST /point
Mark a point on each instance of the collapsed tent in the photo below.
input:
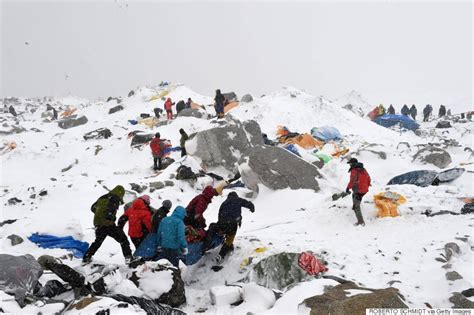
(230, 106)
(306, 141)
(387, 203)
(322, 157)
(426, 178)
(78, 248)
(390, 120)
(150, 122)
(326, 133)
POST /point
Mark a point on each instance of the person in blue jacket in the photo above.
(170, 238)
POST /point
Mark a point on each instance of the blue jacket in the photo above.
(171, 231)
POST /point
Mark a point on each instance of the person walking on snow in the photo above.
(139, 220)
(405, 110)
(442, 111)
(189, 103)
(413, 111)
(171, 239)
(391, 110)
(219, 104)
(197, 206)
(182, 141)
(230, 219)
(159, 215)
(169, 108)
(105, 210)
(427, 112)
(156, 146)
(359, 184)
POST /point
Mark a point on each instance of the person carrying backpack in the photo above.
(139, 220)
(197, 206)
(427, 112)
(157, 147)
(105, 210)
(405, 111)
(180, 106)
(171, 239)
(159, 215)
(391, 110)
(230, 219)
(169, 108)
(359, 184)
(182, 141)
(442, 111)
(219, 103)
(413, 111)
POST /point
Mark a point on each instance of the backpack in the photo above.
(185, 172)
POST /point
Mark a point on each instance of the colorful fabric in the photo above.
(309, 263)
(78, 248)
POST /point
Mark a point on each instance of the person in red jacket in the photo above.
(168, 107)
(138, 216)
(156, 146)
(197, 206)
(359, 184)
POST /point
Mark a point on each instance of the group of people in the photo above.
(158, 148)
(412, 111)
(170, 231)
(168, 106)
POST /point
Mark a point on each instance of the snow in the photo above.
(403, 248)
(353, 292)
(225, 295)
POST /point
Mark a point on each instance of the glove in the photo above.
(185, 251)
(348, 191)
(252, 210)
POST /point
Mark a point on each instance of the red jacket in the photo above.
(155, 146)
(199, 204)
(168, 104)
(359, 179)
(139, 215)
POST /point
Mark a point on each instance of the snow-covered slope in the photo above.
(402, 248)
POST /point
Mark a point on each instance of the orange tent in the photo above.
(305, 141)
(230, 106)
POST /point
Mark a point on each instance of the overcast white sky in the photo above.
(391, 52)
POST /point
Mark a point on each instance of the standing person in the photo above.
(160, 214)
(157, 112)
(189, 103)
(405, 110)
(105, 210)
(219, 106)
(359, 183)
(182, 141)
(413, 111)
(442, 111)
(427, 112)
(197, 206)
(448, 112)
(156, 146)
(12, 111)
(169, 108)
(230, 219)
(170, 238)
(139, 220)
(391, 110)
(180, 106)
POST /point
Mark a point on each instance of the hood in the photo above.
(357, 165)
(179, 212)
(233, 195)
(209, 192)
(118, 191)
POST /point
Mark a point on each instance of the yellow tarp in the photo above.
(387, 203)
(159, 96)
(230, 106)
(150, 122)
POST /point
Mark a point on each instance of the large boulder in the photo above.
(247, 98)
(277, 168)
(226, 144)
(101, 133)
(278, 271)
(433, 155)
(192, 112)
(348, 298)
(72, 122)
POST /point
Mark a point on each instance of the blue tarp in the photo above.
(292, 149)
(326, 133)
(147, 249)
(389, 120)
(168, 150)
(78, 248)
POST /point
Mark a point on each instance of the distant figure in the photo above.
(405, 110)
(12, 111)
(171, 239)
(182, 141)
(442, 111)
(180, 106)
(449, 112)
(156, 146)
(157, 112)
(413, 111)
(219, 104)
(427, 112)
(160, 214)
(189, 103)
(138, 216)
(169, 108)
(391, 110)
(359, 183)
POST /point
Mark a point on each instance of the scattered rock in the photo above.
(98, 148)
(460, 301)
(167, 161)
(67, 168)
(117, 99)
(468, 292)
(140, 139)
(169, 183)
(346, 299)
(33, 196)
(131, 93)
(446, 266)
(72, 122)
(440, 260)
(247, 98)
(433, 155)
(192, 112)
(277, 168)
(115, 109)
(451, 249)
(15, 239)
(101, 133)
(453, 276)
(10, 221)
(443, 124)
(156, 186)
(14, 201)
(43, 192)
(138, 188)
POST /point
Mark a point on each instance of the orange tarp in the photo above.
(387, 204)
(230, 106)
(68, 112)
(305, 141)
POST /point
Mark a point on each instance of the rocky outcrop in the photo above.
(192, 112)
(247, 98)
(115, 109)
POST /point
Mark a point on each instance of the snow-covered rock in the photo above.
(433, 155)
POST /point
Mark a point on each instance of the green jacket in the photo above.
(105, 208)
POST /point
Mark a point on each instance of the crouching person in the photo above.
(170, 238)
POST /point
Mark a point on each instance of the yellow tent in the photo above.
(159, 96)
(387, 203)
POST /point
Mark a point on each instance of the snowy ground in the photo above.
(402, 249)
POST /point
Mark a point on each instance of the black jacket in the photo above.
(231, 208)
(157, 217)
(180, 106)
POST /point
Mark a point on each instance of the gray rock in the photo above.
(156, 185)
(67, 168)
(231, 96)
(443, 124)
(451, 249)
(13, 130)
(15, 239)
(247, 98)
(72, 122)
(468, 292)
(433, 155)
(453, 276)
(14, 201)
(460, 301)
(224, 145)
(101, 133)
(138, 188)
(115, 109)
(336, 300)
(277, 168)
(131, 93)
(192, 112)
(43, 192)
(169, 183)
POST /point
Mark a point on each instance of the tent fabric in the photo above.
(390, 120)
(230, 106)
(326, 133)
(78, 248)
(292, 148)
(306, 141)
(387, 204)
(150, 122)
(68, 112)
(196, 106)
(418, 178)
(323, 157)
(309, 263)
(450, 175)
